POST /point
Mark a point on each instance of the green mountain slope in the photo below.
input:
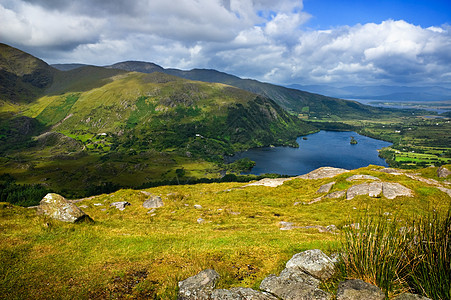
(91, 126)
(300, 102)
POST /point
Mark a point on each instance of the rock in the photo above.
(313, 262)
(197, 206)
(356, 289)
(390, 171)
(409, 296)
(361, 177)
(120, 205)
(324, 172)
(293, 284)
(240, 293)
(153, 202)
(146, 193)
(270, 182)
(200, 220)
(286, 225)
(325, 188)
(392, 190)
(336, 195)
(199, 286)
(443, 172)
(57, 207)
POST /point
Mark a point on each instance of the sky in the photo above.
(327, 42)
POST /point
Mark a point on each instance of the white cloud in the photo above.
(260, 39)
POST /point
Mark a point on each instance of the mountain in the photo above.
(67, 67)
(381, 92)
(93, 126)
(294, 100)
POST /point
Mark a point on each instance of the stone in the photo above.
(200, 220)
(240, 293)
(324, 172)
(361, 177)
(409, 296)
(58, 207)
(286, 225)
(336, 195)
(313, 262)
(390, 171)
(375, 189)
(294, 284)
(197, 206)
(270, 182)
(121, 205)
(391, 190)
(443, 172)
(199, 286)
(153, 202)
(356, 289)
(325, 188)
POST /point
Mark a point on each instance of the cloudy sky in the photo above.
(330, 42)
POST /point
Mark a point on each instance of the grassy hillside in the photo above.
(306, 104)
(139, 253)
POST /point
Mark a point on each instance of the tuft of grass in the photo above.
(400, 256)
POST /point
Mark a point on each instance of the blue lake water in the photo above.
(322, 149)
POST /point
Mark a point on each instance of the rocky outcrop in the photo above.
(121, 205)
(57, 207)
(324, 172)
(356, 289)
(270, 182)
(313, 262)
(390, 190)
(199, 286)
(153, 202)
(240, 293)
(443, 172)
(409, 296)
(361, 177)
(325, 188)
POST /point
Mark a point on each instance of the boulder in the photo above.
(197, 206)
(391, 190)
(199, 286)
(361, 177)
(409, 296)
(443, 172)
(270, 182)
(313, 262)
(57, 207)
(153, 202)
(324, 172)
(356, 289)
(294, 284)
(121, 205)
(336, 195)
(240, 293)
(325, 188)
(286, 225)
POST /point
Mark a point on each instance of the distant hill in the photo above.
(67, 67)
(294, 100)
(381, 92)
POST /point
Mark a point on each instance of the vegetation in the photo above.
(400, 256)
(137, 254)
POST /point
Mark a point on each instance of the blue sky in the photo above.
(284, 42)
(330, 13)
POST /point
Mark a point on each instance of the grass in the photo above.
(402, 255)
(133, 253)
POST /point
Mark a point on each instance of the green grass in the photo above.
(240, 238)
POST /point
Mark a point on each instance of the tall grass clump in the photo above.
(397, 256)
(430, 252)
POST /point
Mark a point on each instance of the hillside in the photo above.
(243, 232)
(294, 100)
(93, 126)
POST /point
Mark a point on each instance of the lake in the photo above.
(322, 149)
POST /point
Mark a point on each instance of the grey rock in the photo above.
(336, 195)
(270, 182)
(356, 289)
(390, 171)
(361, 177)
(375, 189)
(409, 296)
(313, 262)
(325, 188)
(198, 287)
(121, 205)
(443, 172)
(240, 293)
(324, 172)
(392, 190)
(286, 225)
(153, 202)
(197, 206)
(291, 287)
(58, 207)
(200, 220)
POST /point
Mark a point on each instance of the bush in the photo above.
(400, 256)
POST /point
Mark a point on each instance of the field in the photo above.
(137, 253)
